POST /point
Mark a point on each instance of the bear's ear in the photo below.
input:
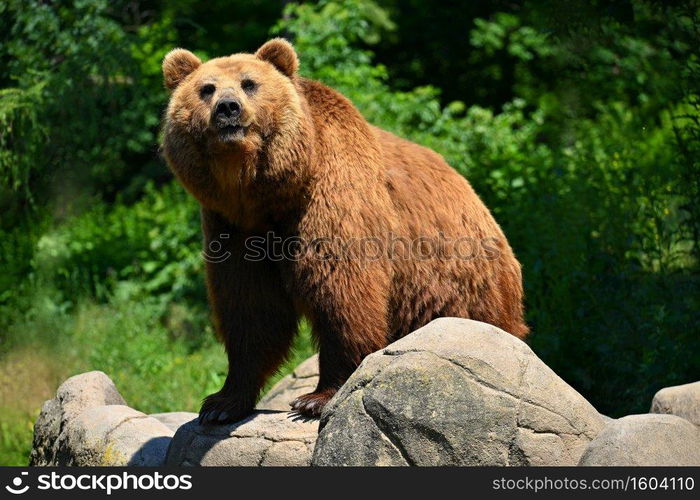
(178, 63)
(280, 53)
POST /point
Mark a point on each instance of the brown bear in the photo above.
(387, 236)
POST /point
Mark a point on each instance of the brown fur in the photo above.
(308, 165)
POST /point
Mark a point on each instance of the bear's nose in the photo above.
(227, 107)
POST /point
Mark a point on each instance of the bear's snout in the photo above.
(227, 112)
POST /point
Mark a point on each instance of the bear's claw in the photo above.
(218, 410)
(311, 405)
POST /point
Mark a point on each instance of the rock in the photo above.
(455, 392)
(46, 430)
(645, 440)
(88, 390)
(301, 381)
(89, 424)
(173, 420)
(116, 435)
(680, 400)
(265, 438)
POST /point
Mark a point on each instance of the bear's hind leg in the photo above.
(349, 320)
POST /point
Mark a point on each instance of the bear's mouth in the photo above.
(230, 133)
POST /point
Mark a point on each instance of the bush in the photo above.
(154, 243)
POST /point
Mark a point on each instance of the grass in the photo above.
(158, 361)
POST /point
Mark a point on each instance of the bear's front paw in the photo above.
(218, 409)
(311, 404)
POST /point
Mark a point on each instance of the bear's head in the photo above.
(228, 99)
(227, 113)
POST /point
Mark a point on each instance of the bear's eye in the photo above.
(207, 90)
(249, 85)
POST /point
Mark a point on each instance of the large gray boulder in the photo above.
(88, 423)
(265, 438)
(680, 400)
(303, 380)
(455, 392)
(645, 440)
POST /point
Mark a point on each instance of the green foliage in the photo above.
(145, 249)
(578, 126)
(76, 114)
(19, 143)
(16, 431)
